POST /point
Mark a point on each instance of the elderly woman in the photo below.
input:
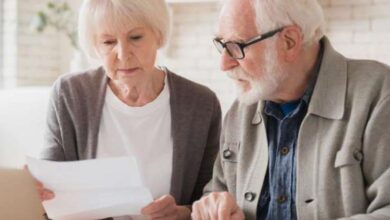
(131, 107)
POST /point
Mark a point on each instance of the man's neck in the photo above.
(299, 75)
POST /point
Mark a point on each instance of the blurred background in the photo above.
(36, 47)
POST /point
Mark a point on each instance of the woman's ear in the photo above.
(291, 43)
(160, 41)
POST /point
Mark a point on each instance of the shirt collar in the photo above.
(310, 88)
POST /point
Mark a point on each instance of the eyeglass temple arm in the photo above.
(262, 37)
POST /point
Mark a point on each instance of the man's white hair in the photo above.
(306, 14)
(115, 15)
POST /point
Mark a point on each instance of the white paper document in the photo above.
(91, 189)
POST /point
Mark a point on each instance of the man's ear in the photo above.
(291, 41)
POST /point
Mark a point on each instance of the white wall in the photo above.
(9, 43)
(360, 28)
(22, 119)
(191, 52)
(29, 58)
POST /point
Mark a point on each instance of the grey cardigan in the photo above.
(343, 147)
(75, 110)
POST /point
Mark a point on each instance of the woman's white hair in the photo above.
(306, 14)
(114, 15)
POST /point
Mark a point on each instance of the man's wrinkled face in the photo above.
(259, 75)
(252, 88)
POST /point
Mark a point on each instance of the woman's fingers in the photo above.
(44, 194)
(47, 195)
(166, 208)
(163, 203)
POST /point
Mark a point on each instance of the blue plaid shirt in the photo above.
(277, 198)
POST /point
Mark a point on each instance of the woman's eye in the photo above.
(136, 37)
(108, 42)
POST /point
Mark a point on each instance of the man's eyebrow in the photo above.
(233, 38)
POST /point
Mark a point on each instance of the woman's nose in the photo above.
(123, 51)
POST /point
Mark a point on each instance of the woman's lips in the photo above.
(127, 71)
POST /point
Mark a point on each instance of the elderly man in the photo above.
(309, 135)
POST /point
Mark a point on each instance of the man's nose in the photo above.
(227, 62)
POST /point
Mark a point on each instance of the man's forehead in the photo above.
(236, 21)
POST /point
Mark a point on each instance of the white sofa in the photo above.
(22, 121)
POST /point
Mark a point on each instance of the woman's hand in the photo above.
(44, 194)
(165, 208)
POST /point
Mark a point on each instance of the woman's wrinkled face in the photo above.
(128, 55)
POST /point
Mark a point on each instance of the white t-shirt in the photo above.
(143, 132)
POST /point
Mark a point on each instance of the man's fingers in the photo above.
(204, 214)
(227, 206)
(216, 206)
(212, 213)
(199, 211)
(238, 215)
(196, 211)
(212, 207)
(208, 207)
(224, 212)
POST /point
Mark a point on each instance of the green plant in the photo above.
(58, 15)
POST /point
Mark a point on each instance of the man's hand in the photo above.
(165, 208)
(217, 206)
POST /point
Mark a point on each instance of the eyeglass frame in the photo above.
(251, 41)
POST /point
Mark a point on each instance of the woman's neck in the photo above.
(139, 94)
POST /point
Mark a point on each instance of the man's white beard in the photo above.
(263, 87)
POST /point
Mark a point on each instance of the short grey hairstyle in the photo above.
(116, 14)
(306, 14)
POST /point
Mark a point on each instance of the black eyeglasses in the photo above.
(236, 50)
